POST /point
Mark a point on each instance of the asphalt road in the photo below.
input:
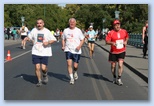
(94, 83)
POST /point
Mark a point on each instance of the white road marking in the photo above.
(5, 61)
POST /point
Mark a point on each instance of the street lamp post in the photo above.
(91, 24)
(22, 20)
(103, 20)
(44, 11)
(117, 14)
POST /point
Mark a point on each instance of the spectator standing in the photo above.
(145, 39)
(8, 33)
(14, 33)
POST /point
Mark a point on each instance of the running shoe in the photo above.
(114, 80)
(144, 57)
(75, 75)
(39, 84)
(72, 81)
(45, 78)
(24, 47)
(119, 82)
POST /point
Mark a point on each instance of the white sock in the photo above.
(71, 76)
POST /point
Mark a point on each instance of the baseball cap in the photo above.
(90, 26)
(116, 22)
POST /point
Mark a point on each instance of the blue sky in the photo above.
(63, 5)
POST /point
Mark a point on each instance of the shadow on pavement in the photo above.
(133, 56)
(96, 76)
(85, 57)
(28, 78)
(59, 76)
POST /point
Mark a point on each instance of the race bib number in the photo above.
(39, 46)
(119, 44)
(90, 35)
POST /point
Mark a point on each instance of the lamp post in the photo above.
(103, 20)
(117, 14)
(22, 20)
(91, 24)
(44, 10)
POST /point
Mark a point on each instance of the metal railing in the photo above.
(134, 39)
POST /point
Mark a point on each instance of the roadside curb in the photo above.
(11, 42)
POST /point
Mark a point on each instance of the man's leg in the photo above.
(70, 70)
(145, 47)
(38, 74)
(75, 70)
(45, 74)
(120, 71)
(113, 70)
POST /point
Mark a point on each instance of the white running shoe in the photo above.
(72, 81)
(24, 47)
(75, 75)
(119, 82)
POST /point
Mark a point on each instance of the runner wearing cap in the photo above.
(91, 35)
(117, 38)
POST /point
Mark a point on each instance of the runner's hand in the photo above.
(63, 48)
(45, 43)
(78, 48)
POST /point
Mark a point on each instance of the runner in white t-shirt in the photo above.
(23, 33)
(41, 50)
(72, 40)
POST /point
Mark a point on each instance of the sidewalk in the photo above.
(133, 60)
(11, 42)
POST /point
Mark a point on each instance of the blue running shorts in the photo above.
(40, 59)
(74, 57)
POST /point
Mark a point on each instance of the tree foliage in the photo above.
(132, 16)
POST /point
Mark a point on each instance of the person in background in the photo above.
(145, 39)
(23, 33)
(57, 34)
(8, 33)
(91, 35)
(14, 33)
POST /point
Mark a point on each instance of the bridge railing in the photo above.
(134, 39)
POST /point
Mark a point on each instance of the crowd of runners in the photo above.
(72, 39)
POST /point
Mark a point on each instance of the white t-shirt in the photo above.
(40, 36)
(72, 38)
(24, 32)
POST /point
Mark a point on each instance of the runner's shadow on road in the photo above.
(28, 78)
(59, 76)
(85, 57)
(96, 76)
(131, 56)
